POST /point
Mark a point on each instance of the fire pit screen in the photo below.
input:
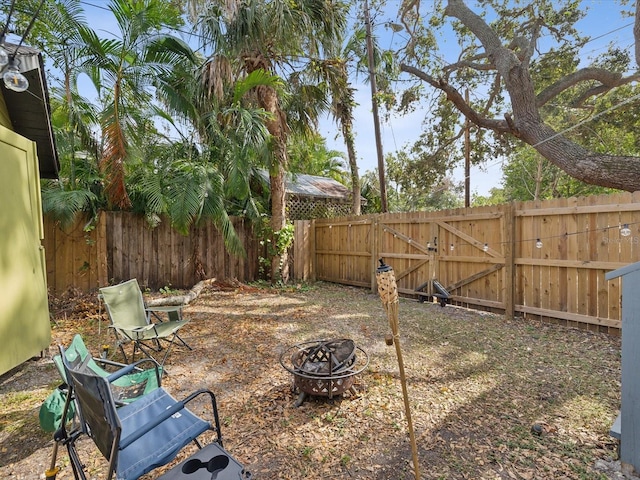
(324, 367)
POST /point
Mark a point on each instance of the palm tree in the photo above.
(309, 154)
(58, 33)
(124, 70)
(274, 37)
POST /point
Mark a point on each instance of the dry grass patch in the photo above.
(477, 384)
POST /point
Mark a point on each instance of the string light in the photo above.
(12, 77)
(625, 231)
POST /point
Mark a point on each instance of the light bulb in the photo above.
(538, 243)
(486, 247)
(14, 80)
(451, 247)
(4, 57)
(625, 231)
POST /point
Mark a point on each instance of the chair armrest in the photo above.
(134, 367)
(166, 308)
(135, 329)
(174, 312)
(111, 363)
(214, 408)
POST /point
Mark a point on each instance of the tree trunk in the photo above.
(279, 262)
(347, 133)
(278, 128)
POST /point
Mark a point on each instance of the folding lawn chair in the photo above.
(135, 438)
(127, 386)
(132, 322)
(129, 382)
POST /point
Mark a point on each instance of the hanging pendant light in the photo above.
(13, 79)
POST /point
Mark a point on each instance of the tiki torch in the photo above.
(388, 291)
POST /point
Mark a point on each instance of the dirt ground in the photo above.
(490, 398)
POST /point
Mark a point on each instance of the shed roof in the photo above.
(30, 111)
(312, 186)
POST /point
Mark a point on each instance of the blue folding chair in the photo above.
(135, 438)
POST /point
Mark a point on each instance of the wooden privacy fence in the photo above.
(123, 246)
(542, 259)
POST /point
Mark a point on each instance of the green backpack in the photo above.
(52, 409)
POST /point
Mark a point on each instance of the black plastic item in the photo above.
(383, 268)
(441, 294)
(212, 462)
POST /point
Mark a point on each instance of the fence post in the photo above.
(312, 250)
(509, 232)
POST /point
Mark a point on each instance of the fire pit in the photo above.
(324, 367)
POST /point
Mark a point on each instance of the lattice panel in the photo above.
(306, 209)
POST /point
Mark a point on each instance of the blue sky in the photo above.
(603, 23)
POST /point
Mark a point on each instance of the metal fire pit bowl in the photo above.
(324, 367)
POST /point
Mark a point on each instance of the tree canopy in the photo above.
(521, 61)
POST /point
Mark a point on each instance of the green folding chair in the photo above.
(127, 382)
(132, 321)
(127, 387)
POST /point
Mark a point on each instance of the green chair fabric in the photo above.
(124, 389)
(132, 322)
(127, 387)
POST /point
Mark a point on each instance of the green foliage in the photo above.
(529, 176)
(309, 154)
(496, 197)
(276, 243)
(411, 189)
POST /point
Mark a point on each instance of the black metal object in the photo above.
(324, 367)
(439, 292)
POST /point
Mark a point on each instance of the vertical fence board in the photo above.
(123, 246)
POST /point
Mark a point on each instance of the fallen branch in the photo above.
(185, 299)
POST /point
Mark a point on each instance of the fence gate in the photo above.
(463, 253)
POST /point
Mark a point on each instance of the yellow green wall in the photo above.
(25, 330)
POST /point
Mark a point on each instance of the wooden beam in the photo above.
(574, 317)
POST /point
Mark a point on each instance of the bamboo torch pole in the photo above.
(388, 291)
